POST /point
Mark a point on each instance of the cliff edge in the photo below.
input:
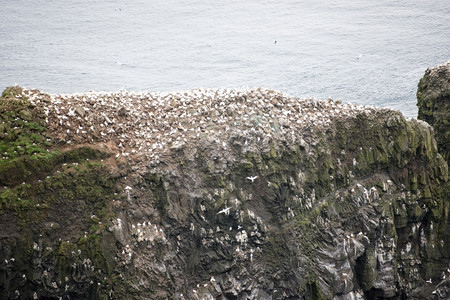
(218, 194)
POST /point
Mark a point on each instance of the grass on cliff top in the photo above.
(25, 145)
(22, 127)
(27, 151)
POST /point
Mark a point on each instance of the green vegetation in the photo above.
(57, 201)
(304, 200)
(433, 101)
(403, 151)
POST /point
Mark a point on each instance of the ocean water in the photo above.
(359, 51)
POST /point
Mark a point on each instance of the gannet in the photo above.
(252, 178)
(224, 211)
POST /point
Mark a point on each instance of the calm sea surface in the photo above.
(359, 51)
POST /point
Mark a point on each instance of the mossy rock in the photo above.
(12, 91)
(48, 197)
(433, 101)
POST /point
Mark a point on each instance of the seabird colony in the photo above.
(150, 124)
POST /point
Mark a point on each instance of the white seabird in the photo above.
(252, 178)
(224, 211)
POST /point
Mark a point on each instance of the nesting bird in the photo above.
(150, 125)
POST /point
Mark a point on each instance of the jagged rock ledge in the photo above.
(218, 194)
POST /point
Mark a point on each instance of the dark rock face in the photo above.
(355, 209)
(433, 100)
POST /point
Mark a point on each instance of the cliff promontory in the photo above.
(218, 194)
(433, 100)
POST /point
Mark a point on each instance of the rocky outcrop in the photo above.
(218, 194)
(433, 100)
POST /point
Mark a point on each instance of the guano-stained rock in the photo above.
(218, 194)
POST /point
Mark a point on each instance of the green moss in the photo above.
(12, 91)
(35, 166)
(26, 148)
(413, 183)
(87, 256)
(402, 141)
(69, 199)
(46, 186)
(433, 101)
(214, 181)
(273, 153)
(248, 165)
(38, 167)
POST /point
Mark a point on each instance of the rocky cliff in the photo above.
(433, 100)
(218, 194)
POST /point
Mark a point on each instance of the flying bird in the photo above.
(252, 178)
(224, 211)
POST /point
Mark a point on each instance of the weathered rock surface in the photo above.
(433, 100)
(218, 194)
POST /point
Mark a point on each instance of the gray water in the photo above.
(359, 51)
